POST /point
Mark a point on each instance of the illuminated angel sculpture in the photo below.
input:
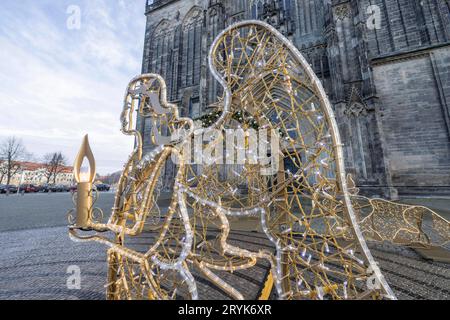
(298, 201)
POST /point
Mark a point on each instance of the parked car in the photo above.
(103, 187)
(8, 189)
(44, 188)
(57, 188)
(28, 188)
(2, 188)
(64, 188)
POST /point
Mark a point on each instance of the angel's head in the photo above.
(146, 98)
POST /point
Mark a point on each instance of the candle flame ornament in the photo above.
(302, 215)
(84, 153)
(84, 181)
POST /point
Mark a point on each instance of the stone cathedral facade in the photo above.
(385, 65)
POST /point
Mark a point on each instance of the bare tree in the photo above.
(54, 164)
(12, 152)
(2, 173)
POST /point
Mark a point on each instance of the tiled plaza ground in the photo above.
(34, 262)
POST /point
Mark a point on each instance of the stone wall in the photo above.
(413, 90)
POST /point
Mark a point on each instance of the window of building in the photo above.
(191, 53)
(160, 47)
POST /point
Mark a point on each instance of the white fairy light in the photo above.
(320, 293)
(323, 267)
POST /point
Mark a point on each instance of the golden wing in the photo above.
(301, 196)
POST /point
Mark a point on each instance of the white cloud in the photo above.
(58, 84)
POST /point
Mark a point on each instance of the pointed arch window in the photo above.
(192, 43)
(257, 8)
(260, 8)
(160, 44)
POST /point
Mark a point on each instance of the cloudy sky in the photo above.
(58, 82)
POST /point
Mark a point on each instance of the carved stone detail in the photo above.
(342, 11)
(195, 17)
(356, 106)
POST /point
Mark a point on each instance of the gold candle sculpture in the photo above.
(84, 185)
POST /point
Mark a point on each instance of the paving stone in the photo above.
(34, 262)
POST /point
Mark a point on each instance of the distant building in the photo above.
(385, 65)
(35, 173)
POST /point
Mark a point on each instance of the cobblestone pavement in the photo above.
(34, 262)
(33, 265)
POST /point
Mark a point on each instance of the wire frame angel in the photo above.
(298, 201)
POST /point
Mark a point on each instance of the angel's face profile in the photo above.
(148, 95)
